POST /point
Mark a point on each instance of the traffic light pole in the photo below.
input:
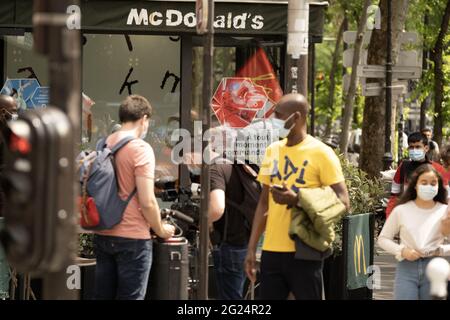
(387, 159)
(297, 47)
(57, 35)
(208, 50)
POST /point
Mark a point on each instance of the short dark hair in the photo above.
(426, 130)
(134, 108)
(417, 137)
(411, 193)
(445, 155)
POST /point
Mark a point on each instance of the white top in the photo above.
(419, 229)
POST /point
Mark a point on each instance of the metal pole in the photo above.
(208, 49)
(387, 159)
(62, 45)
(312, 88)
(426, 102)
(400, 128)
(297, 47)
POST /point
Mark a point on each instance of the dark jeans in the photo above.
(281, 273)
(229, 271)
(123, 267)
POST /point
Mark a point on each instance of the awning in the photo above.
(170, 17)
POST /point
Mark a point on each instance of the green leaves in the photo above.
(365, 195)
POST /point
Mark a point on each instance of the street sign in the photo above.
(398, 72)
(405, 37)
(348, 57)
(201, 12)
(375, 89)
(409, 59)
(350, 37)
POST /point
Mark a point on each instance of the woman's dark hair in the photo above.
(411, 193)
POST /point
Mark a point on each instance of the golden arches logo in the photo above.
(358, 248)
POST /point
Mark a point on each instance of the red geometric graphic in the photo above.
(237, 101)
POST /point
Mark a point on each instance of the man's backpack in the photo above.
(251, 189)
(100, 204)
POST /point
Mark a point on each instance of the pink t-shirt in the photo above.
(136, 159)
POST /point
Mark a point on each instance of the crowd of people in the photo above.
(281, 199)
(417, 216)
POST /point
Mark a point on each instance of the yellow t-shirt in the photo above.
(309, 164)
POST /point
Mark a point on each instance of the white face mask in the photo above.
(427, 192)
(145, 132)
(279, 124)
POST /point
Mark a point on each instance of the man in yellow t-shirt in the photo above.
(299, 161)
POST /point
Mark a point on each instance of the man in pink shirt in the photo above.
(124, 253)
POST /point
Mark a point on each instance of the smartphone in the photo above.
(278, 187)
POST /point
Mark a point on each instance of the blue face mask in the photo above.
(279, 124)
(417, 154)
(427, 192)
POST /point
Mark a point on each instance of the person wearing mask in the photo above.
(433, 147)
(234, 195)
(445, 159)
(297, 161)
(417, 149)
(124, 253)
(417, 221)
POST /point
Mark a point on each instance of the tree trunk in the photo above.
(373, 128)
(334, 69)
(437, 58)
(349, 100)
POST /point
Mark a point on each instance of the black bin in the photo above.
(170, 270)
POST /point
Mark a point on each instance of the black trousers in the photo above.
(281, 273)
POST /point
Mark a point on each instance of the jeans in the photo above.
(411, 282)
(229, 271)
(123, 267)
(281, 273)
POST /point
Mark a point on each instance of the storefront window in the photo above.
(115, 66)
(25, 71)
(260, 64)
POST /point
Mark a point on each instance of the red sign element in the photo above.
(259, 69)
(237, 101)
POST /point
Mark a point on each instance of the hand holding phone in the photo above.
(278, 187)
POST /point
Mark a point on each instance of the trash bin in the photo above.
(170, 270)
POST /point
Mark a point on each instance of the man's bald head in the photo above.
(291, 103)
(8, 103)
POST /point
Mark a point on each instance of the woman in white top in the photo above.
(417, 220)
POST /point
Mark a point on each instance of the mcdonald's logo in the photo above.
(358, 248)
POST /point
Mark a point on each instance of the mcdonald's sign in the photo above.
(359, 255)
(357, 250)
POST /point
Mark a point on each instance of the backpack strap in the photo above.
(132, 194)
(119, 145)
(246, 179)
(101, 144)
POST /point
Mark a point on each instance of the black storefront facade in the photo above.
(151, 48)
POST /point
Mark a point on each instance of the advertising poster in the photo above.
(28, 93)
